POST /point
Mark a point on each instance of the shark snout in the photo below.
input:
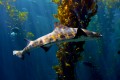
(95, 34)
(101, 35)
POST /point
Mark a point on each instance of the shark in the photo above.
(60, 34)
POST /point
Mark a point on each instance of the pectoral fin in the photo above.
(45, 48)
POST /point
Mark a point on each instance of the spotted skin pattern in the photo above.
(58, 34)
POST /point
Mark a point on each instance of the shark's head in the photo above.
(89, 35)
(95, 34)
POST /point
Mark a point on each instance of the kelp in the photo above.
(1, 2)
(22, 16)
(16, 18)
(29, 35)
(76, 12)
(72, 13)
(15, 15)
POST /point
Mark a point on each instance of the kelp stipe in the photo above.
(73, 13)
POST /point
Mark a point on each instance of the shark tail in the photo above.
(18, 53)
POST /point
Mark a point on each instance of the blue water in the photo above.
(38, 66)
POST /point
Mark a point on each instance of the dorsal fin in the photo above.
(79, 33)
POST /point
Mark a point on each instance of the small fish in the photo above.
(60, 34)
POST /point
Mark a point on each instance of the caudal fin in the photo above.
(18, 54)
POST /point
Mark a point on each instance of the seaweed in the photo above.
(72, 13)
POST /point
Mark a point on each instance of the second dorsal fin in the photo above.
(28, 41)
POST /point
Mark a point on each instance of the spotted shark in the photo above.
(60, 34)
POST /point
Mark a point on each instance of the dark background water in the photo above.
(38, 66)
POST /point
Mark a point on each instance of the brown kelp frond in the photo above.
(76, 13)
(72, 13)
